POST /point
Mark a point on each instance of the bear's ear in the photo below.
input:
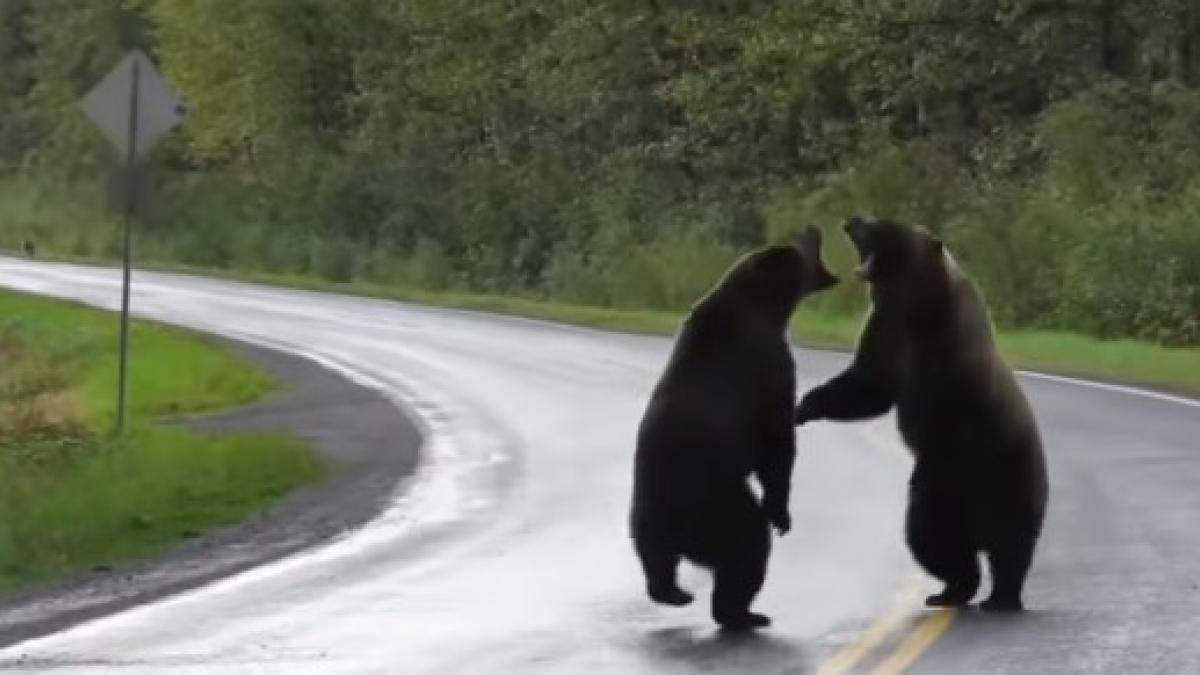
(810, 240)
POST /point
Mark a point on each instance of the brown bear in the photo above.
(979, 482)
(722, 411)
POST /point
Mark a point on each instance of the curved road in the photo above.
(507, 551)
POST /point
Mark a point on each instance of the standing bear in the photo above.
(979, 482)
(721, 412)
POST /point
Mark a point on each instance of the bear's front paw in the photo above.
(801, 416)
(780, 519)
(805, 412)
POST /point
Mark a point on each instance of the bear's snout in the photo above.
(856, 228)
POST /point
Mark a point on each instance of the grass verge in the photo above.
(1124, 361)
(74, 497)
(1058, 352)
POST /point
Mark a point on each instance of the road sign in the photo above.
(133, 107)
(111, 105)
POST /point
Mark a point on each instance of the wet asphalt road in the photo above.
(507, 550)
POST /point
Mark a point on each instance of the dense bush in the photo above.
(622, 153)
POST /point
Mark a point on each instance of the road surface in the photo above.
(507, 551)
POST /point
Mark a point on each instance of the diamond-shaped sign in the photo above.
(133, 96)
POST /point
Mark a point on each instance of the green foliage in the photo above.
(618, 152)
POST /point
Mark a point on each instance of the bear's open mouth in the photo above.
(856, 231)
(864, 269)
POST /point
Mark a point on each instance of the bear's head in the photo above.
(772, 280)
(898, 261)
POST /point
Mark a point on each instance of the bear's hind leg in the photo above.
(740, 571)
(961, 577)
(734, 590)
(1009, 562)
(940, 543)
(659, 563)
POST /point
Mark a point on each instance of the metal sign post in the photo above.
(126, 248)
(133, 107)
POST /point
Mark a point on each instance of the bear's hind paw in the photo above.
(1002, 604)
(947, 599)
(747, 621)
(673, 596)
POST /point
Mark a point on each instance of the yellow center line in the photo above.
(849, 656)
(927, 630)
(921, 639)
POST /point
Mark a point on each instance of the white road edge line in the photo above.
(1117, 388)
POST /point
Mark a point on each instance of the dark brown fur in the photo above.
(721, 412)
(979, 483)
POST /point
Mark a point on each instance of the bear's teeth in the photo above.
(863, 271)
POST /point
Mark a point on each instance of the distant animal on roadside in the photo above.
(979, 483)
(29, 248)
(721, 412)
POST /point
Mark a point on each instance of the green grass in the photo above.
(171, 371)
(1121, 361)
(72, 495)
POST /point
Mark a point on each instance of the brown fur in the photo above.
(979, 481)
(721, 412)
